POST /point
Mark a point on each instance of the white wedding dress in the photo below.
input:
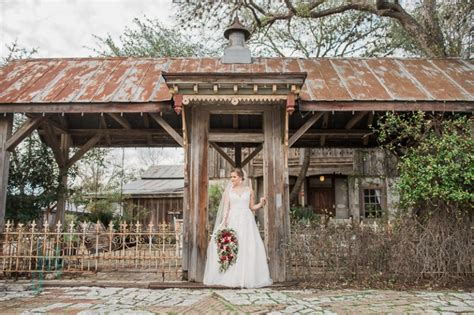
(250, 269)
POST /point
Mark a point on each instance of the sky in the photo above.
(64, 28)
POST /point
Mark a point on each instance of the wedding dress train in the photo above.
(250, 269)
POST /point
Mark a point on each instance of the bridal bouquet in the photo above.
(227, 248)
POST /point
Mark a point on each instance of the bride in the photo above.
(236, 212)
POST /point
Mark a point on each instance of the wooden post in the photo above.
(62, 198)
(198, 186)
(238, 154)
(6, 123)
(186, 208)
(275, 165)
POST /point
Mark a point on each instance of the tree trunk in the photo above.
(302, 174)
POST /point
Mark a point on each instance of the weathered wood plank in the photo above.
(186, 196)
(198, 194)
(311, 121)
(236, 137)
(24, 131)
(222, 153)
(277, 209)
(176, 136)
(6, 125)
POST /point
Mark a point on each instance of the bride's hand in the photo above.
(263, 201)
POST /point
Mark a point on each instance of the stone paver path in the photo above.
(24, 299)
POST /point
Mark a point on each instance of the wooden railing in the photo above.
(88, 246)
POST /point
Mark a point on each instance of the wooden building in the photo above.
(267, 105)
(157, 196)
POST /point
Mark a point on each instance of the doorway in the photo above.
(321, 194)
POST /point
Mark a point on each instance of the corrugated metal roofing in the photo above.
(164, 172)
(158, 179)
(154, 186)
(104, 80)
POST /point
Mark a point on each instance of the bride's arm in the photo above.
(257, 206)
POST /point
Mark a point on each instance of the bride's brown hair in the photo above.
(239, 172)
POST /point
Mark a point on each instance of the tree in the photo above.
(149, 38)
(436, 161)
(432, 25)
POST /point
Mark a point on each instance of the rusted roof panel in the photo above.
(112, 80)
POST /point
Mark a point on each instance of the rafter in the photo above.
(354, 120)
(176, 136)
(103, 125)
(304, 128)
(24, 131)
(121, 120)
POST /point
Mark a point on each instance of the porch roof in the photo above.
(140, 80)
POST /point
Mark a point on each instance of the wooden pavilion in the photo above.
(268, 104)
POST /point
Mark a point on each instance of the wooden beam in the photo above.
(63, 178)
(252, 155)
(78, 108)
(342, 133)
(322, 139)
(23, 132)
(354, 120)
(249, 137)
(222, 153)
(103, 125)
(146, 122)
(176, 136)
(121, 120)
(6, 125)
(388, 106)
(370, 120)
(238, 154)
(311, 121)
(83, 150)
(53, 143)
(199, 182)
(277, 217)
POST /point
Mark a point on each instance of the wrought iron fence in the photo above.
(87, 246)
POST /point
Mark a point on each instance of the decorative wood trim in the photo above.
(176, 136)
(222, 153)
(23, 132)
(311, 121)
(83, 150)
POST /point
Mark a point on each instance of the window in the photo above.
(372, 203)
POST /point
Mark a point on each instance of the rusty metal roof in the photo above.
(139, 80)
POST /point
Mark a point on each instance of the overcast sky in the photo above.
(64, 28)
